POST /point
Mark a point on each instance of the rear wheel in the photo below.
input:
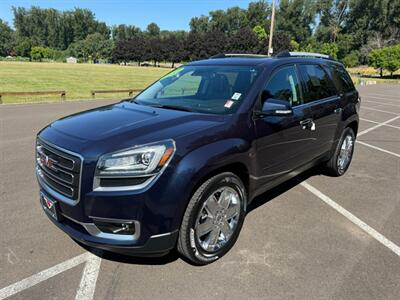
(341, 158)
(213, 219)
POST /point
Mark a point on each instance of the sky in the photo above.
(168, 14)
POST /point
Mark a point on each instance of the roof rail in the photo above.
(244, 55)
(304, 54)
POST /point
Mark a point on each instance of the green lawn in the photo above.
(77, 79)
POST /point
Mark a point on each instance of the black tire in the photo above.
(332, 167)
(188, 244)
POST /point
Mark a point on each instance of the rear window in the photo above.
(341, 78)
(317, 83)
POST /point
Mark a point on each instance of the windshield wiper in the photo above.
(166, 106)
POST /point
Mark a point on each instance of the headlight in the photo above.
(137, 161)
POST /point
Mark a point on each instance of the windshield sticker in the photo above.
(236, 96)
(228, 103)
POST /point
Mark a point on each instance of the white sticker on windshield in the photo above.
(236, 96)
(228, 104)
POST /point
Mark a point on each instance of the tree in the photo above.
(93, 47)
(332, 15)
(7, 39)
(258, 13)
(330, 49)
(174, 49)
(199, 24)
(244, 41)
(153, 30)
(296, 17)
(386, 58)
(351, 59)
(260, 33)
(40, 53)
(124, 32)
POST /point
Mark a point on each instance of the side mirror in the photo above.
(276, 107)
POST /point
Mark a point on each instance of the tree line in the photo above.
(348, 30)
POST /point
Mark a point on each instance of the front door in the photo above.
(283, 143)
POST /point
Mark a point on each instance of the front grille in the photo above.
(58, 169)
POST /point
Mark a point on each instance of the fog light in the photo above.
(126, 228)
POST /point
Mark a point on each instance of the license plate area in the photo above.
(50, 207)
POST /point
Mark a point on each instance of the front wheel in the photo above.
(213, 219)
(341, 158)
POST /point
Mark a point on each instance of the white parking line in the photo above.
(374, 122)
(378, 148)
(380, 103)
(380, 110)
(381, 96)
(87, 285)
(377, 126)
(86, 289)
(359, 223)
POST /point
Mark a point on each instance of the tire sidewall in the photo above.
(224, 179)
(346, 132)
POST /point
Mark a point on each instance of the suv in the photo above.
(177, 165)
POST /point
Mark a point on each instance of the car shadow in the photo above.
(173, 255)
(282, 188)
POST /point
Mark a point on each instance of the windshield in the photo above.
(208, 89)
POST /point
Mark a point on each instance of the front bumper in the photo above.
(156, 245)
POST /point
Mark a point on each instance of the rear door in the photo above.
(282, 143)
(323, 101)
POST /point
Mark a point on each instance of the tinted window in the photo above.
(317, 83)
(341, 78)
(284, 85)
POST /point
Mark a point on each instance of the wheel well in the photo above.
(239, 169)
(354, 125)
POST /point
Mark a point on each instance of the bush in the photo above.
(351, 60)
(386, 58)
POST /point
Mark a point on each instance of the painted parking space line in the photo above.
(374, 122)
(381, 103)
(355, 220)
(381, 96)
(380, 110)
(87, 285)
(378, 148)
(377, 126)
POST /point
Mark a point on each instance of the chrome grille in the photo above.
(58, 170)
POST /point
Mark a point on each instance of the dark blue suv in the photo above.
(177, 166)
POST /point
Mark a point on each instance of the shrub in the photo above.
(351, 59)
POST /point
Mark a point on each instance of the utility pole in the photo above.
(271, 31)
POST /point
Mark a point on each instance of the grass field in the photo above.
(77, 79)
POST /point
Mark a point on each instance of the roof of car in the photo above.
(259, 61)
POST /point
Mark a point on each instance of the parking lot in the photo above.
(315, 237)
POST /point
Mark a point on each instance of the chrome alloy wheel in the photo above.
(346, 151)
(218, 219)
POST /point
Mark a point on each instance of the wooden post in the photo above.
(271, 31)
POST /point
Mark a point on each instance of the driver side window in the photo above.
(284, 85)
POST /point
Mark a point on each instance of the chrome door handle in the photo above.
(338, 110)
(308, 124)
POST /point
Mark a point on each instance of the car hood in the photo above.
(124, 125)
